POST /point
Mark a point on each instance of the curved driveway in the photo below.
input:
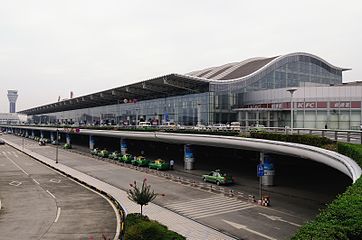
(39, 203)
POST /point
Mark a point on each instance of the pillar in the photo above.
(91, 142)
(123, 146)
(68, 139)
(51, 137)
(268, 178)
(246, 119)
(32, 133)
(188, 157)
(26, 133)
(41, 134)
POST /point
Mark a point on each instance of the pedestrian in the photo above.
(171, 164)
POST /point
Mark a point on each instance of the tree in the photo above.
(141, 195)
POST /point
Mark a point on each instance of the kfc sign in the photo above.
(306, 105)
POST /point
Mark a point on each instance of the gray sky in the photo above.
(49, 48)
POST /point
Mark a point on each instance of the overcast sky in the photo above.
(49, 48)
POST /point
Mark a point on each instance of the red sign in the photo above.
(340, 104)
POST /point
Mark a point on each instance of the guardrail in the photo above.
(334, 134)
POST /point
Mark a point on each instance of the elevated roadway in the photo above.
(330, 158)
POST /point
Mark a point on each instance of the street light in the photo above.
(57, 143)
(291, 91)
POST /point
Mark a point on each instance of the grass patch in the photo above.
(142, 228)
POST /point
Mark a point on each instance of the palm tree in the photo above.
(141, 195)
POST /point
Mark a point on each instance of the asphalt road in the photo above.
(39, 203)
(237, 217)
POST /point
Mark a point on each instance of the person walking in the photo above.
(171, 164)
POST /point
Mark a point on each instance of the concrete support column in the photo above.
(123, 146)
(32, 133)
(51, 137)
(26, 133)
(246, 119)
(188, 157)
(91, 142)
(68, 139)
(268, 119)
(41, 134)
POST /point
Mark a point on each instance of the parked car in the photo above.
(95, 151)
(42, 142)
(217, 127)
(114, 155)
(127, 158)
(218, 177)
(199, 127)
(140, 161)
(103, 153)
(234, 126)
(2, 142)
(159, 164)
(257, 128)
(67, 146)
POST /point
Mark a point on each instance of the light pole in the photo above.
(291, 91)
(57, 143)
(198, 114)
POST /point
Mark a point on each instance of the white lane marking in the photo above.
(15, 155)
(239, 226)
(58, 214)
(36, 181)
(17, 165)
(50, 194)
(55, 180)
(222, 212)
(276, 218)
(15, 183)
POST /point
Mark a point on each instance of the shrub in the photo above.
(308, 139)
(342, 219)
(139, 227)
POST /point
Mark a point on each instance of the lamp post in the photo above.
(57, 143)
(291, 91)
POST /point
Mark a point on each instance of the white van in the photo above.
(144, 124)
(235, 126)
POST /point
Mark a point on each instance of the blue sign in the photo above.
(260, 171)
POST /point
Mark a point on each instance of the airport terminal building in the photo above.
(253, 91)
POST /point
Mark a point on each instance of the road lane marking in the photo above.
(50, 194)
(16, 165)
(15, 183)
(276, 218)
(222, 212)
(208, 207)
(36, 181)
(58, 214)
(239, 226)
(55, 180)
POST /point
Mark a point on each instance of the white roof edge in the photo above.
(269, 64)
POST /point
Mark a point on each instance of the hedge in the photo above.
(342, 219)
(307, 139)
(142, 228)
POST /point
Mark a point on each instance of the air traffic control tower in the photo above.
(12, 96)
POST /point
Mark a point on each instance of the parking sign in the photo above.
(260, 171)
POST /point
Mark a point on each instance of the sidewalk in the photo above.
(190, 229)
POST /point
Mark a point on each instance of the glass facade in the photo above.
(184, 110)
(218, 104)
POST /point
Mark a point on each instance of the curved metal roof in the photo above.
(173, 84)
